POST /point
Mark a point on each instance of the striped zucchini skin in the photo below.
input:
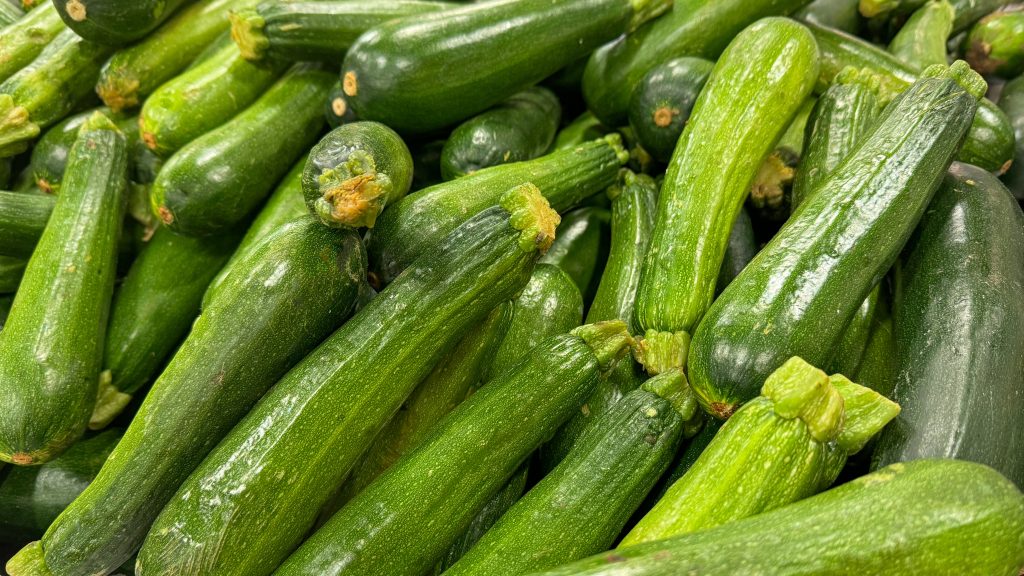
(799, 292)
(288, 293)
(581, 247)
(52, 344)
(261, 488)
(953, 517)
(450, 477)
(957, 315)
(921, 41)
(1011, 101)
(115, 23)
(9, 13)
(697, 207)
(23, 40)
(23, 218)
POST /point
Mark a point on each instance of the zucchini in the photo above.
(9, 14)
(11, 271)
(662, 102)
(967, 11)
(921, 41)
(699, 28)
(962, 277)
(5, 308)
(741, 250)
(584, 128)
(153, 309)
(990, 142)
(365, 370)
(47, 89)
(771, 194)
(23, 218)
(321, 30)
(337, 111)
(996, 43)
(218, 179)
(426, 161)
(450, 477)
(833, 263)
(684, 460)
(520, 128)
(411, 226)
(115, 23)
(354, 173)
(494, 57)
(135, 72)
(580, 507)
(288, 293)
(22, 41)
(839, 14)
(877, 369)
(761, 79)
(1011, 101)
(952, 518)
(202, 98)
(581, 247)
(50, 154)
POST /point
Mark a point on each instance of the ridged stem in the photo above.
(353, 193)
(531, 214)
(672, 386)
(799, 390)
(109, 403)
(609, 340)
(662, 351)
(867, 412)
(768, 191)
(247, 30)
(961, 73)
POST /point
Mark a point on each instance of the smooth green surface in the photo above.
(114, 22)
(921, 41)
(662, 101)
(841, 14)
(23, 218)
(581, 247)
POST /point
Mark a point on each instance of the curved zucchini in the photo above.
(921, 41)
(421, 220)
(354, 173)
(662, 102)
(263, 484)
(494, 57)
(519, 128)
(450, 477)
(697, 207)
(799, 292)
(996, 43)
(957, 313)
(23, 218)
(839, 14)
(9, 14)
(1011, 101)
(337, 111)
(581, 247)
(741, 250)
(113, 22)
(23, 40)
(218, 179)
(273, 306)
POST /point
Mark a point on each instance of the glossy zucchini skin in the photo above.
(840, 14)
(921, 41)
(990, 142)
(741, 250)
(961, 279)
(202, 98)
(451, 476)
(401, 334)
(519, 128)
(697, 207)
(820, 267)
(284, 205)
(1011, 101)
(23, 218)
(565, 177)
(392, 75)
(316, 30)
(112, 22)
(218, 179)
(289, 293)
(877, 369)
(662, 102)
(133, 73)
(842, 531)
(580, 247)
(50, 154)
(354, 173)
(22, 41)
(700, 28)
(996, 43)
(52, 343)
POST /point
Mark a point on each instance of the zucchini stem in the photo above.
(247, 30)
(799, 390)
(531, 214)
(661, 351)
(609, 340)
(867, 412)
(16, 127)
(109, 403)
(353, 194)
(645, 10)
(672, 386)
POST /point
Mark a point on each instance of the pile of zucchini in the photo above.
(511, 287)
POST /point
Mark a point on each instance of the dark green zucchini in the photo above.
(799, 292)
(684, 460)
(426, 161)
(5, 308)
(580, 507)
(11, 271)
(319, 30)
(990, 142)
(50, 154)
(951, 517)
(354, 173)
(450, 477)
(967, 11)
(397, 75)
(581, 247)
(264, 483)
(421, 220)
(135, 72)
(520, 128)
(273, 306)
(583, 129)
(697, 207)
(921, 41)
(202, 98)
(662, 101)
(957, 314)
(52, 346)
(115, 23)
(996, 43)
(699, 28)
(218, 179)
(9, 14)
(1011, 101)
(741, 250)
(337, 111)
(22, 41)
(23, 218)
(840, 14)
(877, 369)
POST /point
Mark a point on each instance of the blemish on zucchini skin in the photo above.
(664, 115)
(350, 85)
(21, 459)
(76, 10)
(166, 216)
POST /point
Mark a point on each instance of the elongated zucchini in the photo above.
(274, 305)
(23, 218)
(935, 506)
(316, 30)
(337, 111)
(22, 41)
(9, 14)
(840, 14)
(697, 207)
(921, 41)
(584, 128)
(1011, 101)
(661, 104)
(996, 43)
(565, 177)
(112, 22)
(409, 94)
(202, 98)
(285, 205)
(961, 278)
(799, 292)
(133, 73)
(276, 478)
(741, 250)
(581, 247)
(218, 179)
(354, 173)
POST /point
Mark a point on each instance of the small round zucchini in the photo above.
(662, 102)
